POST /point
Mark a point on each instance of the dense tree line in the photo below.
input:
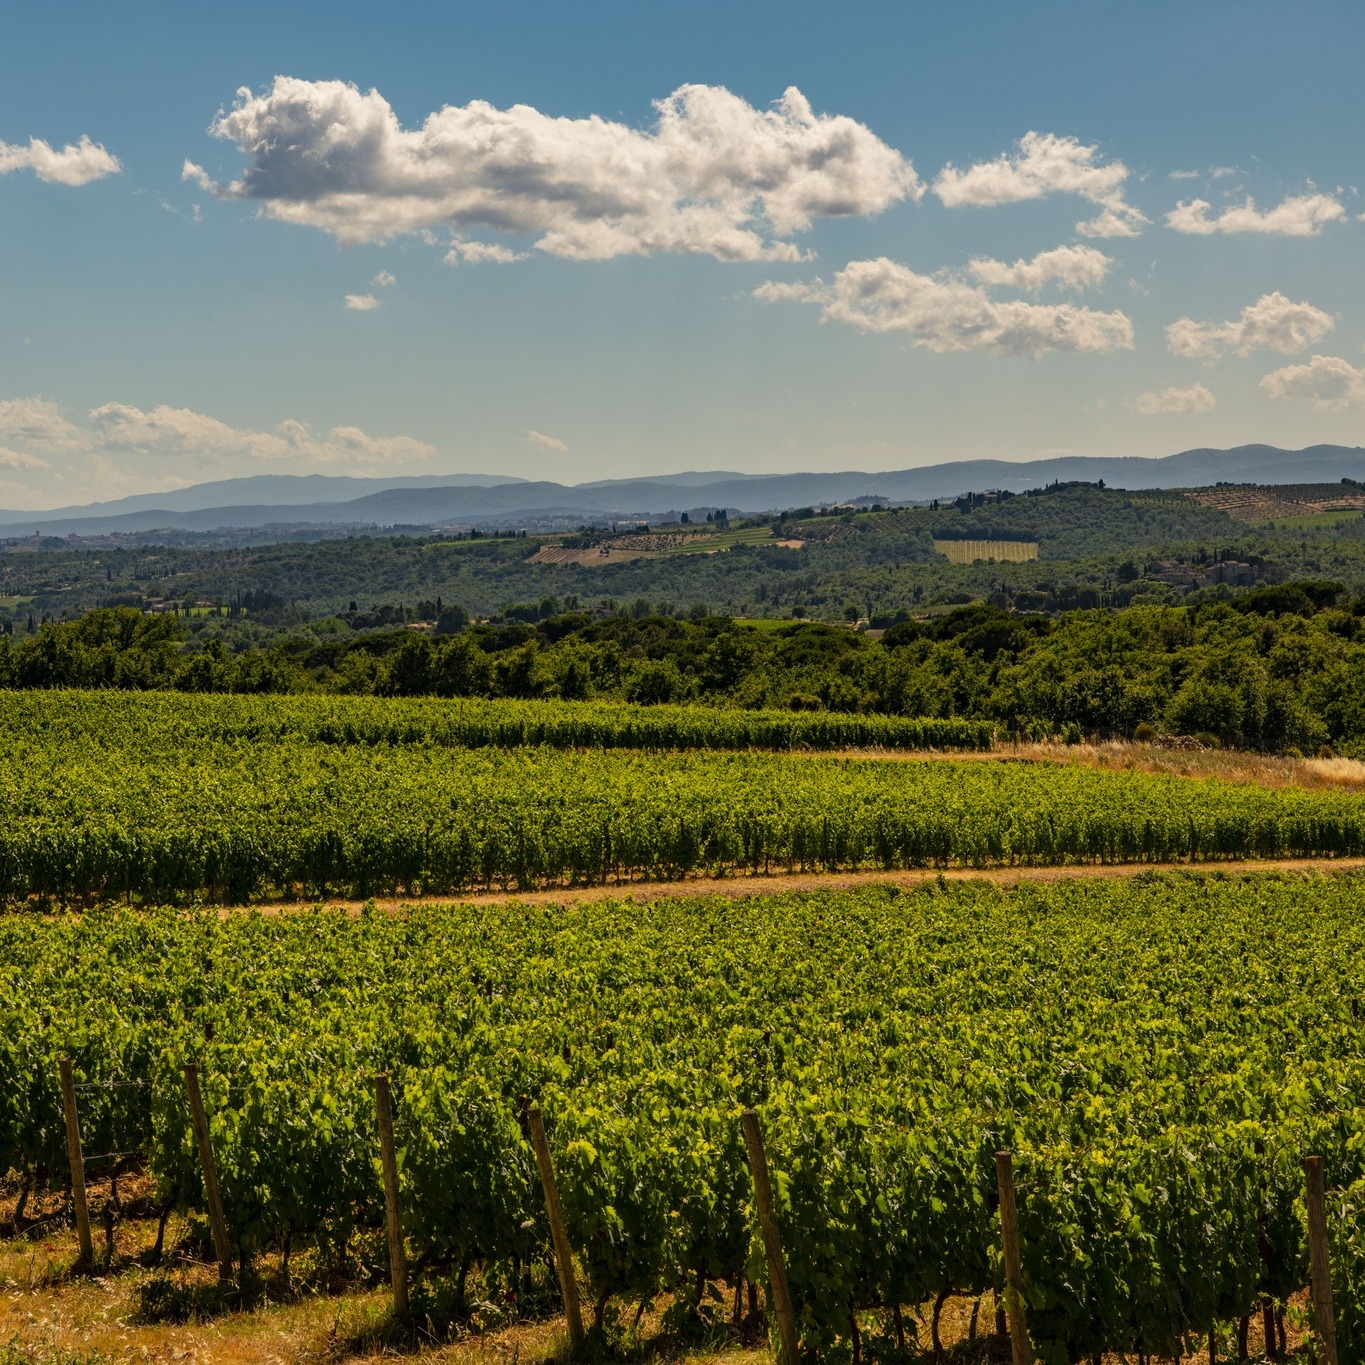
(1278, 668)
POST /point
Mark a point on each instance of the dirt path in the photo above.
(745, 884)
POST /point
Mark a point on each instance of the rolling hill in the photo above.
(471, 499)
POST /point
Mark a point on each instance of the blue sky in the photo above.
(955, 242)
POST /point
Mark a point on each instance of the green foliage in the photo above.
(119, 794)
(1275, 669)
(1158, 1054)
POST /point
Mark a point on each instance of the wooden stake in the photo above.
(222, 1247)
(393, 1212)
(1014, 1268)
(559, 1232)
(77, 1160)
(1324, 1319)
(778, 1289)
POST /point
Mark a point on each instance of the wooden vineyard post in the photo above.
(222, 1248)
(559, 1232)
(393, 1212)
(1014, 1268)
(1324, 1320)
(77, 1160)
(779, 1289)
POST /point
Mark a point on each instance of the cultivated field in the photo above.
(933, 957)
(1158, 1054)
(1255, 503)
(1005, 551)
(234, 799)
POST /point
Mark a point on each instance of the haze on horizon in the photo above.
(607, 242)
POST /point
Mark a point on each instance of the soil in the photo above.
(52, 1315)
(743, 885)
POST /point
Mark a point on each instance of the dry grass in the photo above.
(1228, 765)
(49, 1316)
(52, 1314)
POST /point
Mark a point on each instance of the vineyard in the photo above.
(160, 798)
(969, 551)
(1158, 1054)
(108, 719)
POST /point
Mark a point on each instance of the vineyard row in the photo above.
(470, 723)
(1158, 1053)
(164, 812)
(1011, 1288)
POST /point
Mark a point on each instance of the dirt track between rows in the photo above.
(745, 885)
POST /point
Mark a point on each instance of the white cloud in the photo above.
(18, 459)
(1047, 164)
(74, 164)
(714, 175)
(488, 252)
(1075, 267)
(181, 433)
(947, 314)
(1213, 173)
(795, 291)
(31, 428)
(1117, 219)
(1158, 402)
(384, 279)
(1273, 322)
(539, 438)
(197, 175)
(37, 424)
(1301, 215)
(352, 444)
(1327, 381)
(362, 303)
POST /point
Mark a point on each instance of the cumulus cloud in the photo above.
(944, 313)
(182, 433)
(539, 438)
(475, 252)
(1327, 381)
(1302, 215)
(75, 164)
(19, 459)
(713, 175)
(1074, 267)
(1158, 402)
(1043, 164)
(384, 279)
(362, 303)
(37, 424)
(1273, 322)
(33, 430)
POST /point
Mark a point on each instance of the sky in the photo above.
(592, 241)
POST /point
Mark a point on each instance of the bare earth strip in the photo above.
(743, 885)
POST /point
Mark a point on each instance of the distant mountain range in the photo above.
(474, 499)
